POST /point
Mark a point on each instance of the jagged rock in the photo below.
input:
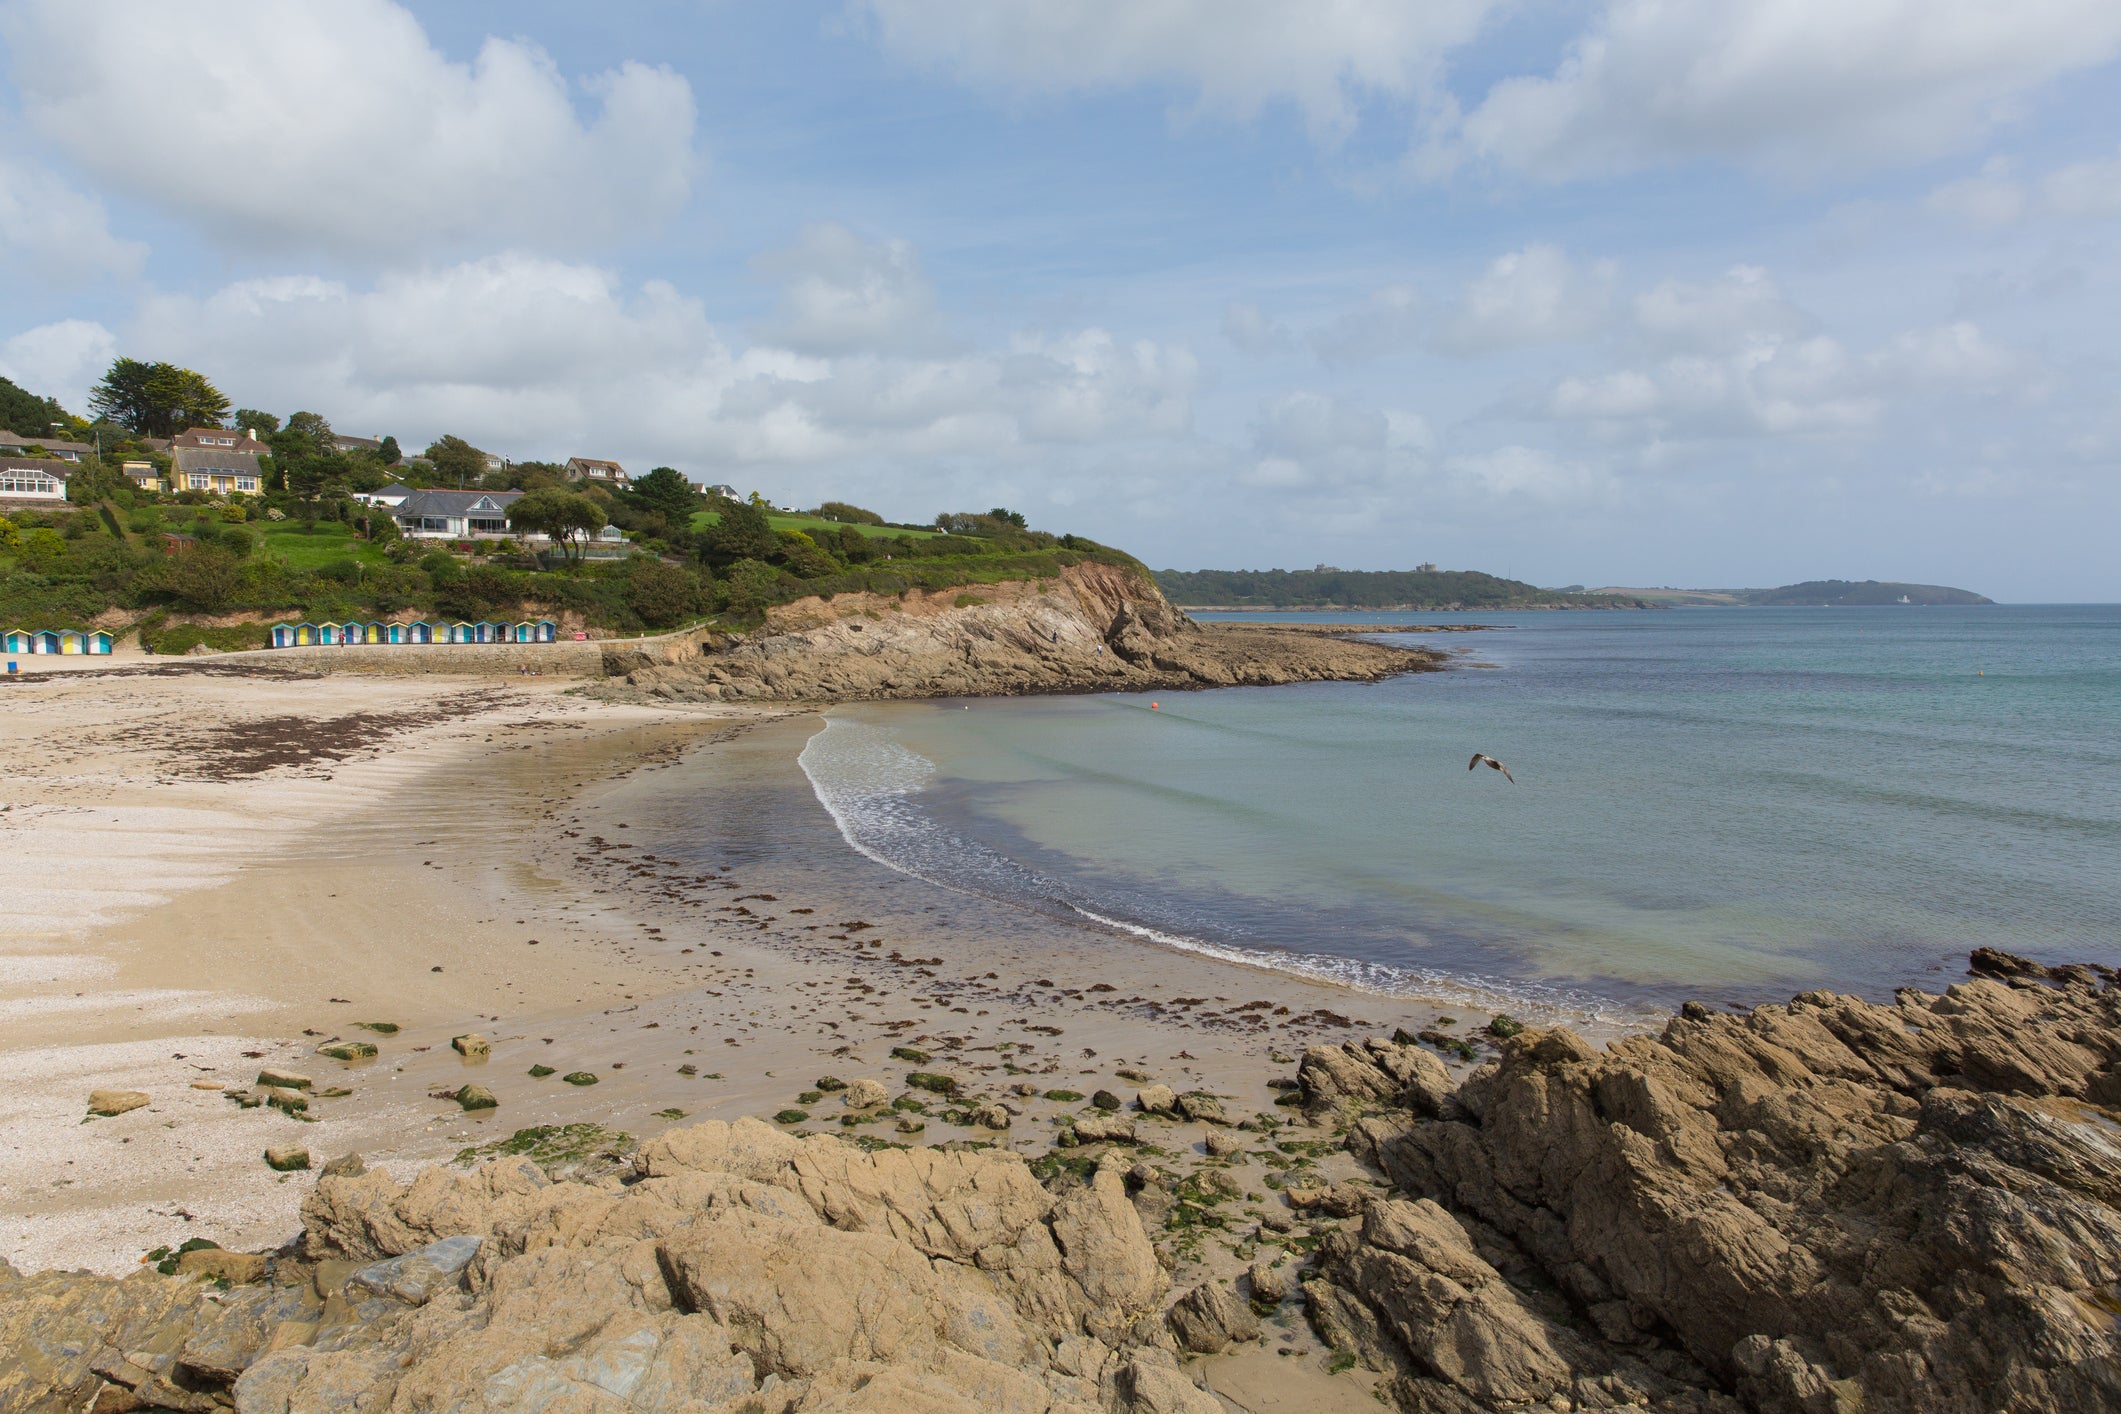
(1209, 1318)
(1156, 1100)
(864, 1095)
(344, 1166)
(1151, 1383)
(217, 1265)
(115, 1102)
(990, 1116)
(1269, 1285)
(1827, 1205)
(1096, 627)
(1376, 1072)
(415, 1277)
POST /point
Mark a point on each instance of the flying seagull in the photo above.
(1479, 757)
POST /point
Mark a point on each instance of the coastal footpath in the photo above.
(1828, 1205)
(1092, 627)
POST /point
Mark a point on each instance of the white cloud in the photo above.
(63, 360)
(1532, 296)
(1237, 56)
(536, 357)
(339, 127)
(61, 233)
(1795, 86)
(2085, 188)
(1530, 474)
(1741, 307)
(841, 293)
(1996, 197)
(1992, 197)
(1954, 356)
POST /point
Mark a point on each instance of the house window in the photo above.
(198, 480)
(436, 523)
(488, 527)
(27, 483)
(246, 483)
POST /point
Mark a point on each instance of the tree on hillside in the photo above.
(157, 399)
(26, 413)
(846, 514)
(390, 453)
(313, 426)
(741, 532)
(663, 595)
(260, 424)
(456, 460)
(561, 516)
(665, 490)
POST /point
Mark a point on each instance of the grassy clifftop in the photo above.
(1368, 589)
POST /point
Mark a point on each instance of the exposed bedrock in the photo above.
(1093, 628)
(1829, 1205)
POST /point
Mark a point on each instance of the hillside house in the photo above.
(602, 472)
(340, 442)
(141, 474)
(221, 471)
(218, 439)
(456, 515)
(16, 444)
(389, 495)
(714, 488)
(33, 479)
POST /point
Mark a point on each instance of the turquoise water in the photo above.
(1725, 803)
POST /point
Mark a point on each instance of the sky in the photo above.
(1631, 292)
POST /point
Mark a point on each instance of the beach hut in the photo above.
(523, 633)
(484, 631)
(328, 634)
(44, 641)
(283, 635)
(373, 634)
(305, 635)
(462, 633)
(17, 641)
(98, 641)
(419, 631)
(394, 633)
(547, 631)
(71, 641)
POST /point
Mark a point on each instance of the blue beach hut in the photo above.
(44, 641)
(547, 631)
(395, 633)
(98, 641)
(419, 631)
(283, 635)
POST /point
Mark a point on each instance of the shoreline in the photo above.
(488, 816)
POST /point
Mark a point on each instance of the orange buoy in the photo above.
(1154, 705)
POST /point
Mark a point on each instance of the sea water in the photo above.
(1725, 803)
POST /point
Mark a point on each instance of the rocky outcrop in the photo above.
(1830, 1205)
(735, 1269)
(1093, 628)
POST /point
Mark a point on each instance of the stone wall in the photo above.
(579, 660)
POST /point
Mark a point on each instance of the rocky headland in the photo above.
(1094, 627)
(1828, 1205)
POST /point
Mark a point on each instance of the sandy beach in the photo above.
(216, 873)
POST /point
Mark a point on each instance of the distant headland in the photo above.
(1424, 589)
(1836, 593)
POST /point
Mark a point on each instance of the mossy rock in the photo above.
(286, 1160)
(551, 1144)
(476, 1097)
(1505, 1026)
(1064, 1097)
(539, 1072)
(579, 1077)
(381, 1028)
(348, 1050)
(828, 1083)
(791, 1117)
(909, 1055)
(810, 1097)
(933, 1083)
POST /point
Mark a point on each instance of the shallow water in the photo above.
(1732, 803)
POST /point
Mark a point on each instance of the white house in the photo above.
(15, 443)
(455, 515)
(33, 479)
(390, 494)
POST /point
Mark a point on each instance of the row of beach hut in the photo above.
(418, 631)
(63, 640)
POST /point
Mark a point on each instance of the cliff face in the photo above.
(1093, 628)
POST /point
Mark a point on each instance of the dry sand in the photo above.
(211, 873)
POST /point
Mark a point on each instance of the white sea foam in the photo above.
(869, 783)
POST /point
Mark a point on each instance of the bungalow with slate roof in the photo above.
(456, 515)
(15, 444)
(216, 459)
(590, 469)
(389, 494)
(33, 479)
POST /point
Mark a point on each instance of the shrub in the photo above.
(663, 595)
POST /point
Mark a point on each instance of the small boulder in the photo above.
(284, 1080)
(1104, 1128)
(1156, 1099)
(1106, 1100)
(344, 1166)
(1210, 1318)
(288, 1101)
(348, 1050)
(934, 1084)
(471, 1046)
(1222, 1145)
(235, 1268)
(1269, 1285)
(475, 1097)
(286, 1158)
(991, 1117)
(579, 1077)
(828, 1083)
(863, 1094)
(114, 1102)
(1202, 1107)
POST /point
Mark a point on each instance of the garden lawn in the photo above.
(809, 525)
(330, 541)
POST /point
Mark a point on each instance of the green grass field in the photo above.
(810, 524)
(330, 541)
